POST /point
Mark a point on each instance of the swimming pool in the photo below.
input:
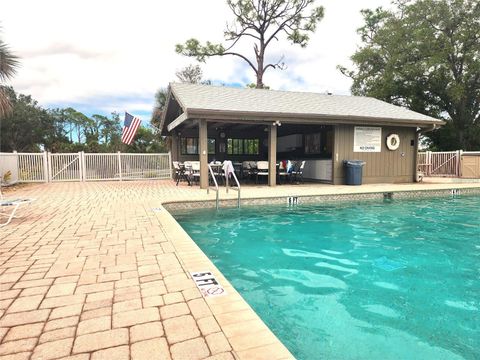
(395, 279)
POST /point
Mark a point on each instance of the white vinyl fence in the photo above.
(127, 166)
(23, 167)
(45, 167)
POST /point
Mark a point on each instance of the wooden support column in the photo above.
(272, 155)
(415, 154)
(203, 152)
(174, 146)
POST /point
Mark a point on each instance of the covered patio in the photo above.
(247, 145)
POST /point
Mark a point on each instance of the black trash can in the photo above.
(353, 171)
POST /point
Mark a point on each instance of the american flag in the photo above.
(130, 127)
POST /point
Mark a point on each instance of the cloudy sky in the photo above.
(102, 56)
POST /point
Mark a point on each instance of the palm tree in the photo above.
(8, 65)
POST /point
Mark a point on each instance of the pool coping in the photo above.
(248, 335)
(301, 199)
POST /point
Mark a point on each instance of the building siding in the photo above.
(381, 167)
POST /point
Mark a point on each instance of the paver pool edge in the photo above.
(247, 333)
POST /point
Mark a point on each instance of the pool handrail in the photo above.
(237, 188)
(216, 185)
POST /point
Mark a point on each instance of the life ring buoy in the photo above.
(393, 142)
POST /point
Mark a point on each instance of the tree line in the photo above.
(422, 54)
(27, 127)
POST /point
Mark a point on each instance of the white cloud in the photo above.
(73, 52)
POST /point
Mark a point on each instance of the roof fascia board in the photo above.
(180, 119)
(170, 94)
(311, 118)
(164, 111)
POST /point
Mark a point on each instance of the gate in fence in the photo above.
(65, 167)
(44, 167)
(444, 163)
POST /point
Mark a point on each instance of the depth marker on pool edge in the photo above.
(207, 284)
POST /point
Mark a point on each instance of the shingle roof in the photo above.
(221, 99)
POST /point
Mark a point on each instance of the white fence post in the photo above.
(17, 161)
(50, 175)
(80, 166)
(84, 167)
(170, 164)
(119, 165)
(459, 163)
(45, 166)
(428, 161)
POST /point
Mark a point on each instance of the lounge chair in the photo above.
(9, 207)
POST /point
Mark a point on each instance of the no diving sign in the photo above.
(207, 284)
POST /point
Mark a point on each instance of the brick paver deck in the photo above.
(101, 271)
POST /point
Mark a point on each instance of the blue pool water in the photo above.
(395, 279)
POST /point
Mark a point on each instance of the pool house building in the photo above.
(216, 123)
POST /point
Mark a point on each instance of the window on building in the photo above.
(189, 146)
(243, 146)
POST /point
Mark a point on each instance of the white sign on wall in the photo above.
(367, 139)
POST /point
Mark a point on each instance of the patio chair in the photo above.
(180, 173)
(9, 207)
(195, 171)
(262, 169)
(298, 172)
(248, 170)
(285, 170)
(217, 167)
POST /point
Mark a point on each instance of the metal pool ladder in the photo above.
(234, 188)
(216, 185)
(216, 189)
